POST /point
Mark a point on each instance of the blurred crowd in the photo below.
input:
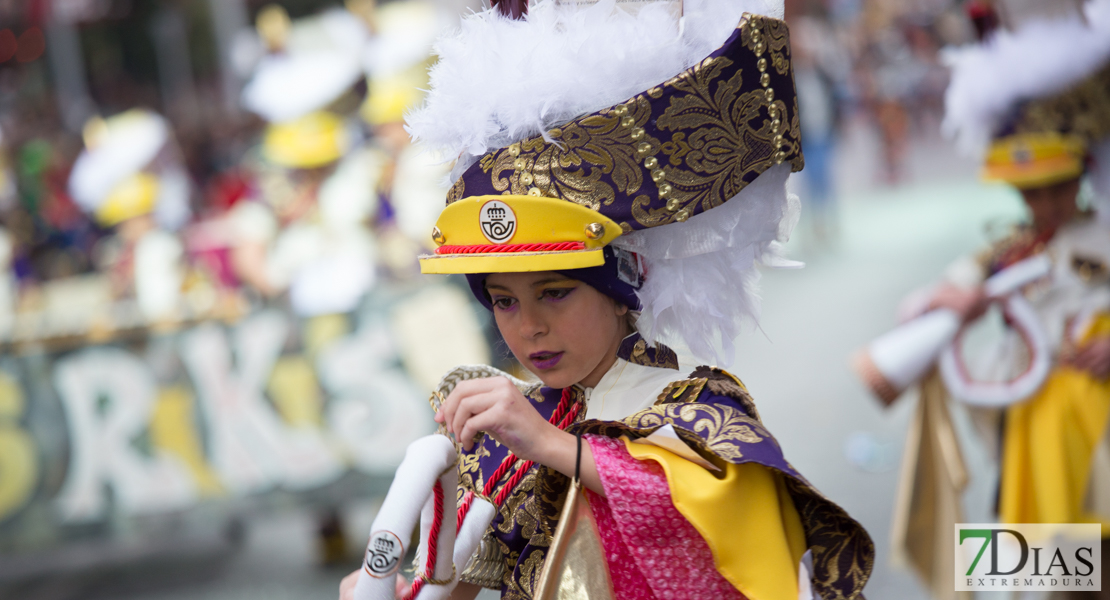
(175, 160)
(144, 181)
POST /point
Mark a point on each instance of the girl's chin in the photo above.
(556, 378)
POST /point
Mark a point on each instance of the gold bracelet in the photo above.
(440, 581)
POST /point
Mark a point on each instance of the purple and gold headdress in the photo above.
(1034, 97)
(640, 175)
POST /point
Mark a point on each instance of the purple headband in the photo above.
(618, 278)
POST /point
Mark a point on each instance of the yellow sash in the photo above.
(745, 515)
(1048, 446)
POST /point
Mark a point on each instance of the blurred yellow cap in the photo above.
(313, 140)
(391, 96)
(1029, 160)
(133, 197)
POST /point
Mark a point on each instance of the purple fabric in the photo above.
(603, 278)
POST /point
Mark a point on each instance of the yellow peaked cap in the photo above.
(133, 197)
(511, 223)
(313, 140)
(1030, 160)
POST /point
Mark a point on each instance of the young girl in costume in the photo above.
(615, 187)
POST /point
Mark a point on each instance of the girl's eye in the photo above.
(557, 293)
(503, 302)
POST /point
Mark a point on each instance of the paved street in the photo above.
(890, 241)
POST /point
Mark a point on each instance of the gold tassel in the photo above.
(576, 567)
(932, 481)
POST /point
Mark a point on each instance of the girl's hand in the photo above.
(347, 586)
(968, 304)
(1093, 358)
(495, 406)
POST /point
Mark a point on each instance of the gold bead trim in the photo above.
(650, 163)
(758, 46)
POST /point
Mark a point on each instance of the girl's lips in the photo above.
(545, 360)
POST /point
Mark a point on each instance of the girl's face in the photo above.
(559, 328)
(1052, 206)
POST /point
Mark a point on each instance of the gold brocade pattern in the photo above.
(572, 169)
(470, 472)
(676, 150)
(685, 390)
(457, 191)
(844, 555)
(1083, 110)
(520, 586)
(728, 135)
(638, 352)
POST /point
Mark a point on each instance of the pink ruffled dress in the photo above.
(653, 551)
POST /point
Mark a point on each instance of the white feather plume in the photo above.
(499, 80)
(1040, 59)
(702, 284)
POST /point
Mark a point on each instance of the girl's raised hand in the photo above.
(495, 406)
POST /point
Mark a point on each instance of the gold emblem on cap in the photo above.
(595, 231)
(437, 236)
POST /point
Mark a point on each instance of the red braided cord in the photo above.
(503, 248)
(510, 460)
(433, 533)
(558, 419)
(417, 585)
(524, 468)
(464, 507)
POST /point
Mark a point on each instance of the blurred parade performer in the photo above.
(412, 180)
(1035, 99)
(130, 179)
(308, 235)
(819, 64)
(577, 218)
